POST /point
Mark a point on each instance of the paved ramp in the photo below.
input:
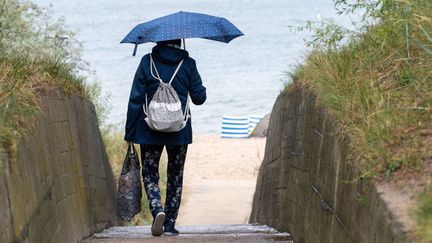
(210, 202)
(193, 234)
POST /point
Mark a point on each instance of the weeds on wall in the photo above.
(376, 80)
(38, 54)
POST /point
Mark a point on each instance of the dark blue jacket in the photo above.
(187, 80)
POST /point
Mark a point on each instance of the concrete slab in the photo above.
(191, 234)
(217, 202)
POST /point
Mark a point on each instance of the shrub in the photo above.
(376, 80)
(38, 54)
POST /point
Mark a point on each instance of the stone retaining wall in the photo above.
(60, 188)
(307, 187)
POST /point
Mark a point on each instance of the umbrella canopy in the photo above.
(183, 25)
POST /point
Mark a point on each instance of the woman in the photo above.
(166, 55)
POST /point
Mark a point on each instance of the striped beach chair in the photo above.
(235, 127)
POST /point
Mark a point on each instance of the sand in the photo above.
(219, 180)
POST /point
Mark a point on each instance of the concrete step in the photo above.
(193, 234)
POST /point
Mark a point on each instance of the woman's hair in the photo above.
(170, 42)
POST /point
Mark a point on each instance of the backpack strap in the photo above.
(176, 71)
(187, 111)
(152, 65)
(145, 106)
(157, 76)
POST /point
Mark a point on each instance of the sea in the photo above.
(243, 77)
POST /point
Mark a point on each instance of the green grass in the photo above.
(33, 61)
(377, 84)
(46, 66)
(424, 217)
(378, 87)
(22, 84)
(116, 148)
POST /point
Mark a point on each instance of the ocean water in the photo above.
(242, 77)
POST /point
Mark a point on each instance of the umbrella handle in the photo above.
(135, 49)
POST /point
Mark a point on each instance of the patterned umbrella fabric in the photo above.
(183, 25)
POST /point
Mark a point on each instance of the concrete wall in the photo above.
(303, 152)
(60, 187)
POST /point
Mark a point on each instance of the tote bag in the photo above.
(129, 186)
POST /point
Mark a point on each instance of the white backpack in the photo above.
(164, 113)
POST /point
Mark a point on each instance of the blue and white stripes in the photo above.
(239, 126)
(235, 127)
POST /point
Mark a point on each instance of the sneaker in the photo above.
(157, 226)
(170, 230)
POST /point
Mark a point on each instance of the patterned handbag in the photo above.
(129, 186)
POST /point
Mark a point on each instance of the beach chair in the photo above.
(235, 126)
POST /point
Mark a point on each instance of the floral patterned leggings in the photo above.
(150, 155)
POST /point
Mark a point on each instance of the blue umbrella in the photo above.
(183, 25)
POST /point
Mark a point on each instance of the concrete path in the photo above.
(218, 202)
(193, 234)
(220, 178)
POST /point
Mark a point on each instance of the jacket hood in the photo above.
(168, 54)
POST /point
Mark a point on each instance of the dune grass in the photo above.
(33, 60)
(22, 83)
(377, 83)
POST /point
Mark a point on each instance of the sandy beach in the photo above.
(219, 179)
